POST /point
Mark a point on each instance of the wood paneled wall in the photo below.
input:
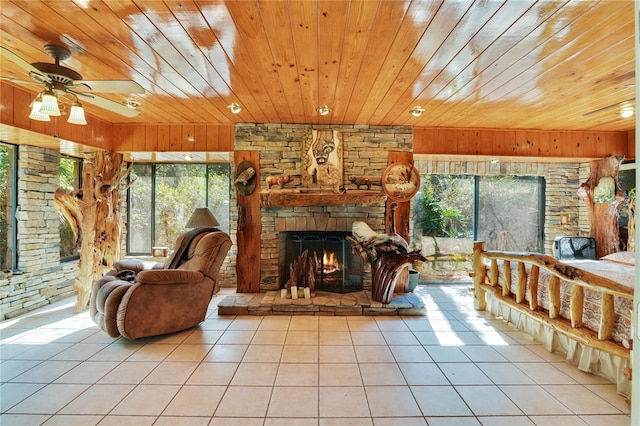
(172, 137)
(521, 143)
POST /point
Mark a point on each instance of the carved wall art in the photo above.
(322, 160)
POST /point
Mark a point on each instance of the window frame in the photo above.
(153, 194)
(12, 195)
(78, 186)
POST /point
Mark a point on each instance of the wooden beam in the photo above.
(249, 230)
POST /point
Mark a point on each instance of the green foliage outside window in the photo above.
(166, 195)
(443, 207)
(5, 177)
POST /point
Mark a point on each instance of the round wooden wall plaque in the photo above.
(400, 182)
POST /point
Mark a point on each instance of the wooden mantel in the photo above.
(298, 198)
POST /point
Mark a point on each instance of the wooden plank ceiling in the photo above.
(489, 64)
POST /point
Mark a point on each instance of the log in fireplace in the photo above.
(339, 270)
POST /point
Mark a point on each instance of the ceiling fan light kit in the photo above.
(60, 81)
(76, 115)
(35, 110)
(49, 104)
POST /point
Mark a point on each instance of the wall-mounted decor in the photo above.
(401, 181)
(605, 191)
(245, 181)
(322, 160)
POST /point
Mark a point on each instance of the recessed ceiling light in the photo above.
(417, 111)
(626, 112)
(234, 108)
(323, 110)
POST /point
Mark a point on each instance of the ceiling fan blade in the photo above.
(10, 56)
(107, 86)
(108, 104)
(607, 107)
(18, 80)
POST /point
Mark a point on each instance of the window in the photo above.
(627, 182)
(510, 213)
(70, 179)
(164, 195)
(507, 212)
(8, 183)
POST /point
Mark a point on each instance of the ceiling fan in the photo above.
(61, 81)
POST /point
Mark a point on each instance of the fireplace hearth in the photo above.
(339, 270)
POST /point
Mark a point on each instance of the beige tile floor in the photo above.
(454, 366)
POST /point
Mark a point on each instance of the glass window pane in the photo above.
(444, 206)
(219, 181)
(70, 180)
(180, 188)
(510, 213)
(8, 154)
(627, 182)
(140, 209)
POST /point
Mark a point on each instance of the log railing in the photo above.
(487, 281)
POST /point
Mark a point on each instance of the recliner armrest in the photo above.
(169, 276)
(128, 264)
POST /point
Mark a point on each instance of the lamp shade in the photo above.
(202, 216)
(76, 116)
(49, 103)
(35, 110)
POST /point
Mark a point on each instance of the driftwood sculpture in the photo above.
(604, 198)
(302, 272)
(388, 255)
(93, 213)
(631, 239)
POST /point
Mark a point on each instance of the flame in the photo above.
(330, 262)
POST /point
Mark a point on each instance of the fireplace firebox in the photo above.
(339, 270)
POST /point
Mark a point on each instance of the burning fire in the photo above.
(330, 263)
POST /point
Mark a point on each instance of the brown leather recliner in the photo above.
(161, 300)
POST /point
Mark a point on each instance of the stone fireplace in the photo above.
(365, 153)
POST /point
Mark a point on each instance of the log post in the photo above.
(249, 228)
(554, 296)
(607, 317)
(576, 305)
(521, 286)
(479, 275)
(506, 279)
(533, 287)
(604, 198)
(493, 280)
(94, 214)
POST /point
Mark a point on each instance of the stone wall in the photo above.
(42, 279)
(365, 152)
